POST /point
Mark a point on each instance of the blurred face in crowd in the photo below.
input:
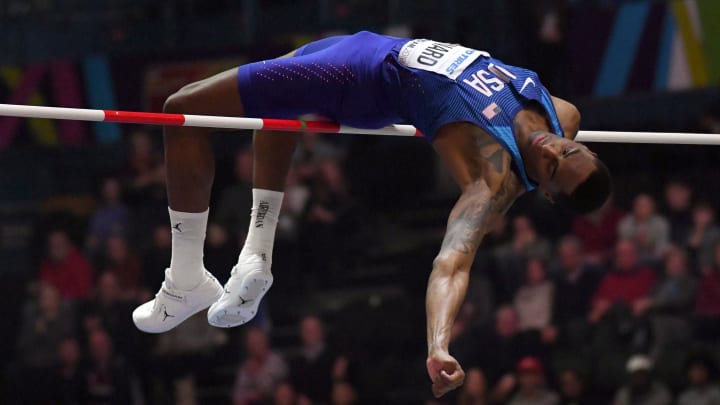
(216, 235)
(571, 384)
(343, 394)
(256, 343)
(535, 272)
(643, 207)
(703, 215)
(332, 175)
(475, 384)
(284, 394)
(677, 196)
(311, 331)
(244, 166)
(141, 144)
(48, 299)
(506, 321)
(570, 254)
(675, 263)
(625, 256)
(697, 374)
(522, 226)
(100, 346)
(162, 237)
(530, 380)
(117, 250)
(58, 246)
(111, 191)
(108, 288)
(69, 352)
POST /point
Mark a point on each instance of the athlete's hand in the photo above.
(445, 373)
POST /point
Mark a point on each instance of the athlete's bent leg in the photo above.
(251, 277)
(188, 288)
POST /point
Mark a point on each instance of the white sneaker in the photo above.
(243, 291)
(172, 306)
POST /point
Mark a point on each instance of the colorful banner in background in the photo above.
(640, 46)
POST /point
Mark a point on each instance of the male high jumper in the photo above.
(495, 126)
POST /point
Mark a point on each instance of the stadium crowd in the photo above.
(623, 307)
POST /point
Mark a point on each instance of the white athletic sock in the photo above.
(188, 238)
(263, 222)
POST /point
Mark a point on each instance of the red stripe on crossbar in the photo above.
(144, 118)
(298, 125)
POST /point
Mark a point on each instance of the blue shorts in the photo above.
(343, 78)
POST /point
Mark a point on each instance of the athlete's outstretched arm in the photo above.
(469, 221)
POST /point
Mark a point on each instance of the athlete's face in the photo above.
(559, 164)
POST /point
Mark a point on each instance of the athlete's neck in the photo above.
(527, 123)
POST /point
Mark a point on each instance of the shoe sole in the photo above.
(252, 290)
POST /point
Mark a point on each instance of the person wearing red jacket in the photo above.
(626, 285)
(65, 268)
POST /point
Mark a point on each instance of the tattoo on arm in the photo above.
(481, 204)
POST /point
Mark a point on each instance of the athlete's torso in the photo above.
(432, 84)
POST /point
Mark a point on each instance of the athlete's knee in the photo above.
(183, 100)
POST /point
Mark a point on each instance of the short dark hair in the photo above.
(592, 193)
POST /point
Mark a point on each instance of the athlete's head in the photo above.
(568, 170)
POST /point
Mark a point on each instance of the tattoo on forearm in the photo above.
(473, 214)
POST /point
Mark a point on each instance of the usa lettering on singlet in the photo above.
(449, 60)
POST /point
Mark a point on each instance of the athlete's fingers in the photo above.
(445, 382)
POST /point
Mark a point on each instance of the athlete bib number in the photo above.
(438, 57)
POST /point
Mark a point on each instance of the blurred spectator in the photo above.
(285, 395)
(343, 394)
(107, 377)
(703, 235)
(702, 389)
(233, 210)
(511, 257)
(474, 390)
(598, 232)
(110, 219)
(65, 268)
(312, 150)
(678, 199)
(531, 385)
(625, 285)
(46, 323)
(575, 286)
(614, 305)
(671, 301)
(641, 387)
(145, 163)
(312, 371)
(260, 373)
(328, 213)
(184, 352)
(573, 388)
(221, 253)
(68, 386)
(157, 258)
(125, 264)
(533, 301)
(707, 304)
(110, 311)
(509, 347)
(648, 230)
(294, 206)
